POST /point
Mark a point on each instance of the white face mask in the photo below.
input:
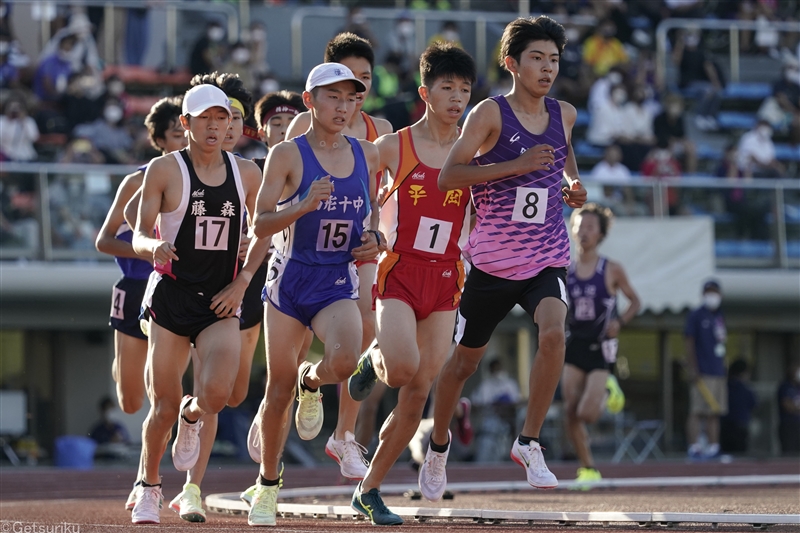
(450, 35)
(240, 55)
(359, 18)
(619, 96)
(112, 114)
(5, 46)
(258, 35)
(615, 78)
(269, 85)
(406, 28)
(765, 132)
(712, 300)
(573, 34)
(116, 88)
(216, 34)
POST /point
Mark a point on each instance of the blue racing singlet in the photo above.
(327, 236)
(130, 267)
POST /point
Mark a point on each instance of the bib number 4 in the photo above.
(530, 205)
(334, 235)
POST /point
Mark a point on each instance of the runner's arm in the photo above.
(107, 241)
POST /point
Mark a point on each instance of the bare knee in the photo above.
(463, 366)
(215, 397)
(399, 375)
(130, 403)
(237, 397)
(588, 415)
(551, 340)
(165, 409)
(342, 365)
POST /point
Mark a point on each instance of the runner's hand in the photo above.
(320, 191)
(574, 196)
(369, 248)
(540, 157)
(164, 253)
(227, 301)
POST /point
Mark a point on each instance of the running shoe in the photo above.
(254, 436)
(264, 506)
(371, 505)
(137, 488)
(349, 454)
(616, 398)
(464, 430)
(188, 504)
(531, 459)
(309, 416)
(361, 383)
(585, 477)
(186, 447)
(147, 507)
(433, 473)
(247, 495)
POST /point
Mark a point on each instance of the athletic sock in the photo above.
(303, 385)
(440, 448)
(525, 441)
(146, 484)
(268, 482)
(183, 416)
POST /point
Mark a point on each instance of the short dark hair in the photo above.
(231, 84)
(604, 215)
(442, 59)
(161, 117)
(270, 101)
(522, 31)
(346, 45)
(738, 368)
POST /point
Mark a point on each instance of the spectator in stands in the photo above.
(81, 102)
(600, 92)
(258, 48)
(699, 75)
(402, 41)
(705, 335)
(18, 132)
(610, 168)
(748, 206)
(734, 430)
(208, 50)
(107, 430)
(52, 75)
(448, 33)
(605, 124)
(109, 135)
(636, 137)
(660, 163)
(357, 23)
(19, 226)
(602, 50)
(668, 127)
(239, 62)
(757, 153)
(9, 73)
(789, 412)
(496, 387)
(782, 109)
(81, 150)
(84, 56)
(574, 76)
(137, 34)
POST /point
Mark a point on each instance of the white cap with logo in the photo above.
(202, 97)
(330, 73)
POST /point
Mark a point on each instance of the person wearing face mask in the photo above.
(109, 134)
(402, 41)
(9, 72)
(668, 128)
(18, 132)
(789, 412)
(447, 34)
(206, 53)
(52, 75)
(705, 337)
(782, 109)
(700, 75)
(239, 63)
(605, 124)
(757, 153)
(358, 24)
(602, 50)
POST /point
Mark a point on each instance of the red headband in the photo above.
(283, 108)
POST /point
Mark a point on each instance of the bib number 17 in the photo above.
(530, 205)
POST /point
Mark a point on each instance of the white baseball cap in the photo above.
(202, 97)
(330, 73)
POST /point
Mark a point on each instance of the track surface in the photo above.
(44, 499)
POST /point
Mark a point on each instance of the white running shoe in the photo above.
(186, 447)
(189, 504)
(264, 506)
(147, 507)
(254, 436)
(309, 415)
(137, 488)
(247, 495)
(531, 459)
(349, 454)
(433, 473)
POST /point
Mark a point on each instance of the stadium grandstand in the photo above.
(688, 129)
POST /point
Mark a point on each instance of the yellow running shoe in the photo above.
(585, 477)
(616, 398)
(189, 504)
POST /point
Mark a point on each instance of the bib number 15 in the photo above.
(530, 205)
(334, 235)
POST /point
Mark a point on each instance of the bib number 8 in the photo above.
(211, 233)
(334, 235)
(530, 205)
(432, 235)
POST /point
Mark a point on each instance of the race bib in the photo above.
(334, 235)
(432, 235)
(211, 233)
(530, 205)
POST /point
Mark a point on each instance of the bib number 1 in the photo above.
(530, 205)
(432, 235)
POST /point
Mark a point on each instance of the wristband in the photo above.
(377, 235)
